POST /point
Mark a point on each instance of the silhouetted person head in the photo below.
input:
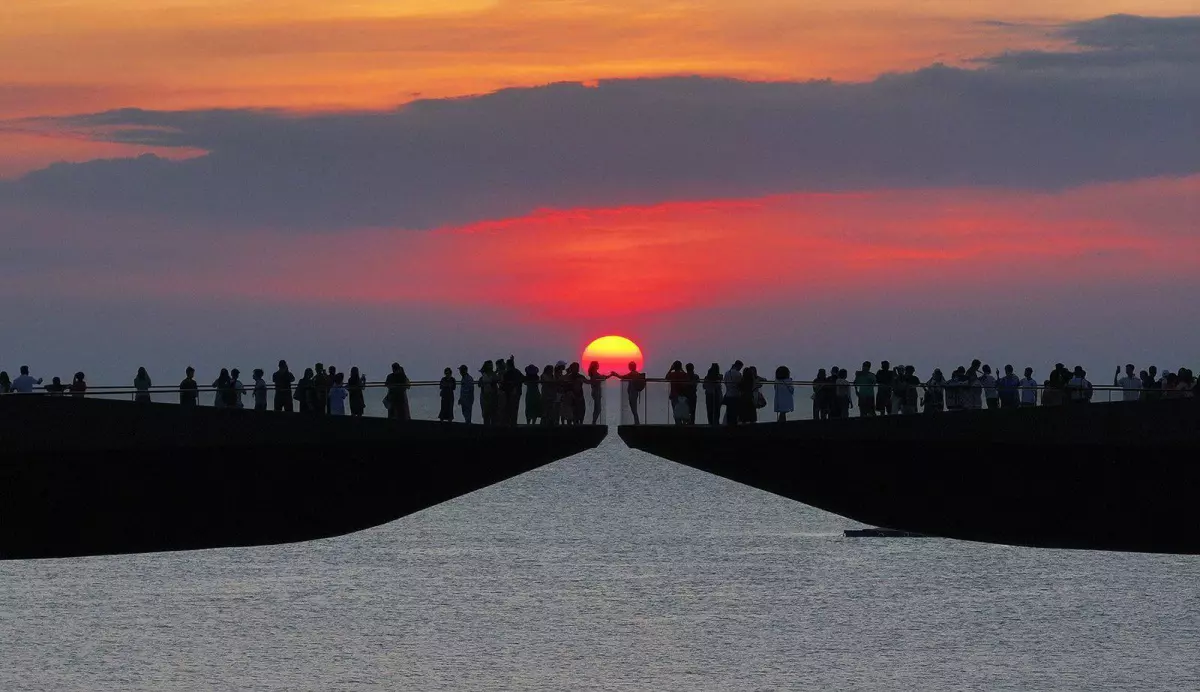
(320, 367)
(308, 373)
(339, 378)
(55, 381)
(908, 370)
(283, 365)
(690, 369)
(782, 372)
(190, 372)
(677, 366)
(500, 366)
(866, 366)
(1008, 369)
(447, 372)
(402, 374)
(79, 377)
(821, 374)
(24, 369)
(141, 373)
(937, 375)
(257, 374)
(235, 373)
(396, 367)
(1029, 372)
(987, 369)
(738, 365)
(548, 371)
(1153, 370)
(632, 366)
(462, 370)
(1079, 371)
(594, 367)
(485, 368)
(975, 364)
(714, 370)
(225, 373)
(1129, 368)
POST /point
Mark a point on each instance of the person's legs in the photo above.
(633, 406)
(782, 417)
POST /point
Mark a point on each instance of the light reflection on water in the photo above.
(610, 570)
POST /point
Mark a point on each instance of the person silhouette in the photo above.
(5, 382)
(189, 391)
(635, 384)
(357, 388)
(446, 388)
(25, 382)
(305, 396)
(56, 387)
(236, 389)
(596, 380)
(533, 395)
(337, 395)
(466, 393)
(260, 390)
(714, 391)
(220, 388)
(320, 392)
(283, 379)
(78, 386)
(785, 400)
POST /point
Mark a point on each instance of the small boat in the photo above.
(93, 477)
(1120, 476)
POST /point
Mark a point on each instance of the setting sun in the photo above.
(613, 353)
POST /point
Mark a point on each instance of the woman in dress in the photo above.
(356, 389)
(220, 385)
(533, 395)
(141, 383)
(785, 400)
(488, 392)
(596, 380)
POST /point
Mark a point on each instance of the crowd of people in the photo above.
(897, 390)
(553, 395)
(559, 394)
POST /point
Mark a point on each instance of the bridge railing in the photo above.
(655, 401)
(424, 400)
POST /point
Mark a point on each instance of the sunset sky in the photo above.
(228, 182)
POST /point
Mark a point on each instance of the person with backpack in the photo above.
(636, 385)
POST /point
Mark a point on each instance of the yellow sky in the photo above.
(70, 56)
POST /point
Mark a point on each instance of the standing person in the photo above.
(883, 392)
(78, 386)
(819, 394)
(676, 381)
(236, 389)
(596, 380)
(1131, 385)
(1009, 389)
(260, 390)
(5, 382)
(320, 389)
(908, 405)
(395, 383)
(446, 388)
(988, 382)
(785, 393)
(189, 391)
(333, 373)
(974, 390)
(566, 396)
(305, 396)
(744, 410)
(514, 382)
(713, 393)
(1029, 389)
(500, 415)
(488, 393)
(576, 381)
(1079, 390)
(533, 395)
(220, 387)
(691, 391)
(550, 397)
(733, 380)
(338, 395)
(357, 390)
(466, 393)
(864, 387)
(25, 382)
(283, 379)
(1150, 384)
(935, 392)
(842, 394)
(636, 384)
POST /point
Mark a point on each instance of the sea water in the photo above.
(612, 570)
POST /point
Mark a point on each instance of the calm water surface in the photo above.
(612, 570)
